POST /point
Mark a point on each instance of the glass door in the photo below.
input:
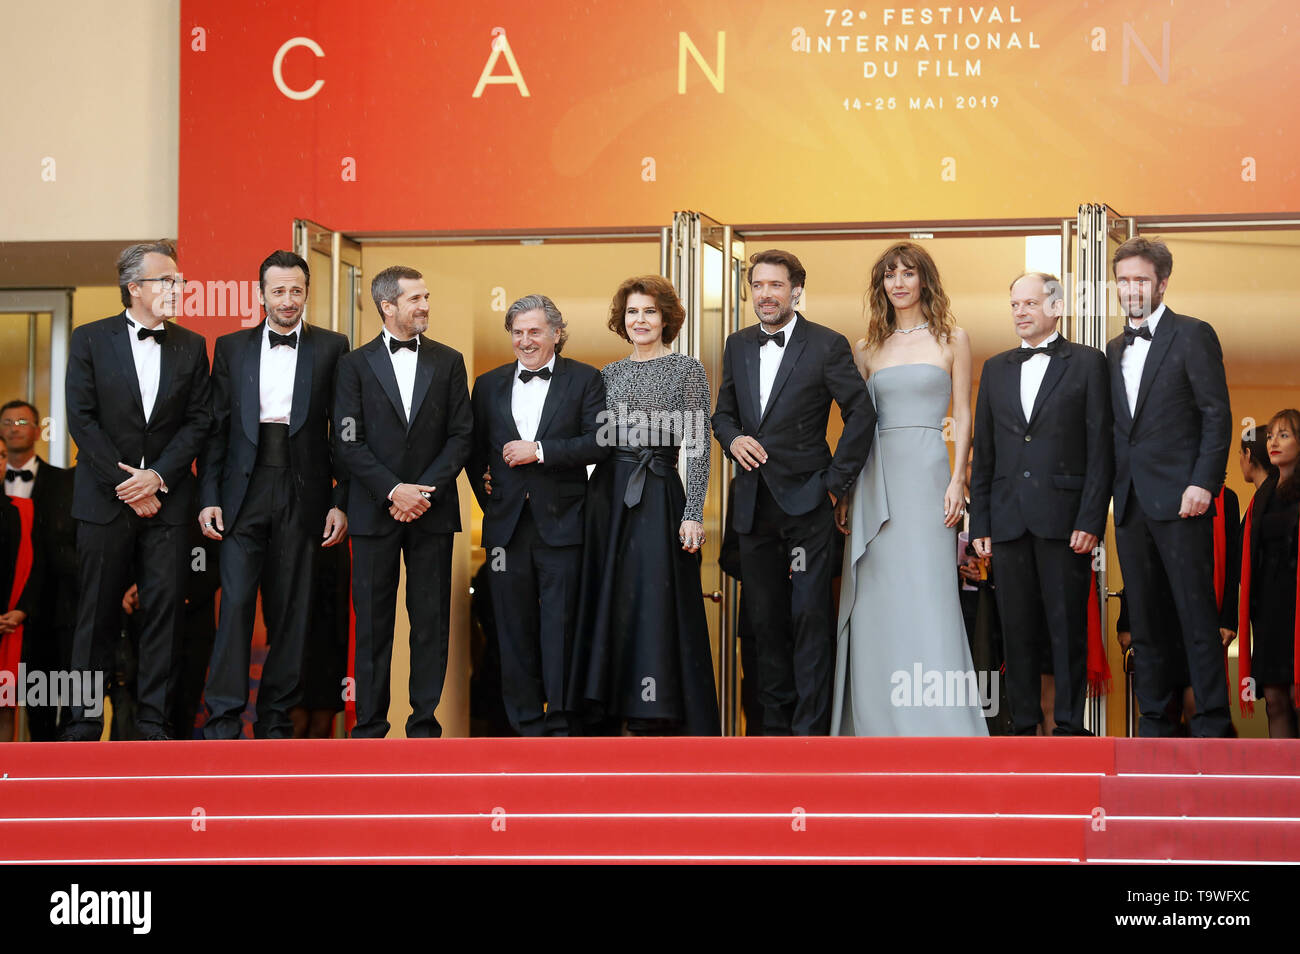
(1095, 319)
(706, 264)
(331, 256)
(35, 329)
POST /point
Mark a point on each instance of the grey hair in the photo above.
(1052, 286)
(386, 286)
(130, 264)
(547, 307)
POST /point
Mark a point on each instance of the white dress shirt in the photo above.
(22, 488)
(404, 361)
(526, 402)
(275, 383)
(147, 355)
(148, 364)
(1134, 359)
(1031, 375)
(769, 360)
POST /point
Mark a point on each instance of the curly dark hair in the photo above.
(665, 296)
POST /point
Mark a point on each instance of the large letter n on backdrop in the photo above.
(684, 46)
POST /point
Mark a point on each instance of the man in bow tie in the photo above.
(1173, 430)
(779, 378)
(137, 395)
(1040, 485)
(536, 426)
(273, 491)
(402, 412)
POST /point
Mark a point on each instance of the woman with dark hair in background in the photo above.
(1270, 540)
(642, 655)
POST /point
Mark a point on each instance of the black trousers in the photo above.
(375, 567)
(110, 557)
(1042, 595)
(785, 565)
(534, 591)
(1178, 554)
(268, 548)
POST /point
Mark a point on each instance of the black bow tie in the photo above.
(395, 346)
(24, 475)
(777, 339)
(525, 375)
(291, 339)
(1024, 354)
(157, 334)
(1131, 334)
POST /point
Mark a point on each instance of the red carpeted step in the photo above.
(1192, 840)
(1207, 757)
(1014, 794)
(1243, 796)
(45, 760)
(1040, 839)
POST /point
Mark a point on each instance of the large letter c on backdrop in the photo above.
(311, 90)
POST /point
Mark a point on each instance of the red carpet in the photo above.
(760, 800)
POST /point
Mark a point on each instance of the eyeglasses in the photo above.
(168, 282)
(20, 422)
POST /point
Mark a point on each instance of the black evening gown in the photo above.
(1272, 591)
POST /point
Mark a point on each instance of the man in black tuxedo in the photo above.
(267, 486)
(47, 633)
(536, 421)
(1173, 429)
(402, 413)
(1040, 485)
(137, 391)
(778, 380)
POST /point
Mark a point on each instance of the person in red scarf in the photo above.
(19, 590)
(1269, 581)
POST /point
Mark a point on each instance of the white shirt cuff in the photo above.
(540, 458)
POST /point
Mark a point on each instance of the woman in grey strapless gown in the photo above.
(903, 664)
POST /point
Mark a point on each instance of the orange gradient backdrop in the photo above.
(775, 145)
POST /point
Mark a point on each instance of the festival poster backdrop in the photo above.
(780, 111)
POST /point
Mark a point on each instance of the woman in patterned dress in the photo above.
(643, 660)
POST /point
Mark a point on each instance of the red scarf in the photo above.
(1098, 668)
(1243, 616)
(11, 644)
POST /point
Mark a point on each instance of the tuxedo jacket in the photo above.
(106, 418)
(54, 533)
(1181, 430)
(1051, 474)
(568, 430)
(816, 368)
(226, 465)
(381, 448)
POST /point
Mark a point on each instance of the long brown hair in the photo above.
(881, 321)
(1288, 489)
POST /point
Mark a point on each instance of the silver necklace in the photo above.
(908, 331)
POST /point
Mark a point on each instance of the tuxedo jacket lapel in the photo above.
(382, 365)
(749, 346)
(793, 349)
(120, 342)
(505, 401)
(1118, 396)
(1160, 344)
(250, 385)
(304, 371)
(555, 394)
(423, 377)
(169, 357)
(1051, 378)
